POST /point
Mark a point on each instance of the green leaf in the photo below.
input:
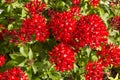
(60, 4)
(11, 63)
(116, 78)
(10, 26)
(94, 58)
(1, 11)
(75, 68)
(24, 13)
(22, 64)
(8, 8)
(34, 67)
(14, 55)
(54, 77)
(46, 1)
(23, 51)
(30, 54)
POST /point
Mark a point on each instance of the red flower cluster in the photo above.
(76, 2)
(2, 60)
(115, 22)
(35, 6)
(91, 31)
(63, 25)
(63, 57)
(110, 54)
(36, 25)
(94, 2)
(13, 74)
(94, 71)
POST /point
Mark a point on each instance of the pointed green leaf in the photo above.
(30, 54)
(34, 67)
(22, 64)
(23, 51)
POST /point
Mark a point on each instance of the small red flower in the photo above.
(75, 10)
(2, 60)
(94, 71)
(94, 3)
(63, 57)
(76, 2)
(35, 6)
(110, 54)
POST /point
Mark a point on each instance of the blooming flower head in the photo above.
(63, 25)
(35, 6)
(63, 57)
(110, 54)
(94, 71)
(91, 31)
(94, 3)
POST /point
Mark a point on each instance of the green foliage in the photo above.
(33, 58)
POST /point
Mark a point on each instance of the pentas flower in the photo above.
(76, 2)
(75, 10)
(2, 60)
(63, 25)
(94, 3)
(35, 6)
(115, 22)
(13, 74)
(110, 54)
(94, 71)
(34, 27)
(63, 57)
(91, 31)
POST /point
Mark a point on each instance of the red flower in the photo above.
(91, 31)
(94, 2)
(63, 25)
(32, 28)
(115, 22)
(13, 74)
(94, 71)
(2, 60)
(35, 6)
(63, 57)
(76, 2)
(110, 54)
(75, 10)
